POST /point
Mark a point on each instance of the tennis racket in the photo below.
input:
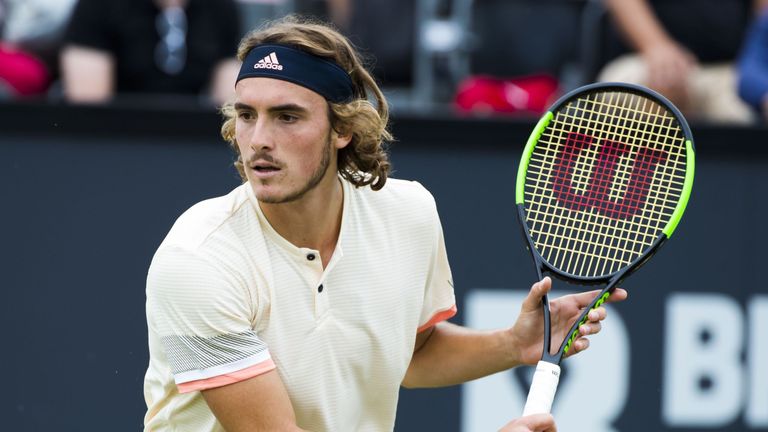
(602, 184)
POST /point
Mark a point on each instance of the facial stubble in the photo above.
(314, 180)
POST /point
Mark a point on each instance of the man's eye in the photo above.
(245, 115)
(288, 118)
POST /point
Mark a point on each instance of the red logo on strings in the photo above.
(603, 175)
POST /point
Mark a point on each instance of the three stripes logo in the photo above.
(269, 62)
(601, 180)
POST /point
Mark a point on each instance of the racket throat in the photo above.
(547, 348)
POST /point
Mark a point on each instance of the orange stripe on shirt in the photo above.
(230, 378)
(440, 316)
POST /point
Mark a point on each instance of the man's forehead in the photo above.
(270, 90)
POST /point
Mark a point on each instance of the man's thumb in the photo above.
(533, 301)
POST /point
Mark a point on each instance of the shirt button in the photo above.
(311, 257)
(320, 288)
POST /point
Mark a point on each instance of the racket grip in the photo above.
(543, 388)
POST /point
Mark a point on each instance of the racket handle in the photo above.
(543, 388)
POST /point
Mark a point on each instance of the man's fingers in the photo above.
(590, 329)
(585, 299)
(540, 422)
(618, 294)
(597, 315)
(533, 301)
(578, 346)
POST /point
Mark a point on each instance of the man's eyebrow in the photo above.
(290, 107)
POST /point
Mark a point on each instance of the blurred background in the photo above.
(109, 131)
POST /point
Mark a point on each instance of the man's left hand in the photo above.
(528, 331)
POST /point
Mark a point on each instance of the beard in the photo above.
(312, 181)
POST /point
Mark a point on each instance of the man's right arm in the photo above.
(668, 63)
(260, 403)
(204, 321)
(87, 64)
(638, 22)
(87, 74)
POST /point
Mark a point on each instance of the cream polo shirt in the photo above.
(228, 299)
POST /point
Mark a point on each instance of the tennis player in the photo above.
(307, 296)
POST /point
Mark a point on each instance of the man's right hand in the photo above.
(531, 423)
(669, 67)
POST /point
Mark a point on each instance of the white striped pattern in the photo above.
(193, 353)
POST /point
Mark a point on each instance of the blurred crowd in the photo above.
(514, 57)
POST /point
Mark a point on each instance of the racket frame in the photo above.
(546, 368)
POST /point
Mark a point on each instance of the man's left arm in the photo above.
(448, 354)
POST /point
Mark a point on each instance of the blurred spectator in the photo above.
(528, 95)
(753, 66)
(151, 46)
(384, 30)
(685, 49)
(21, 73)
(30, 40)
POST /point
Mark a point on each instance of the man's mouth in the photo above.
(265, 169)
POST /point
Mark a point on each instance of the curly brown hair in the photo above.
(365, 160)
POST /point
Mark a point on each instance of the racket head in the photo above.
(604, 180)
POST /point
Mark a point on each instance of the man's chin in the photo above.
(274, 197)
(269, 197)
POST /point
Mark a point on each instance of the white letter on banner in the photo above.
(491, 402)
(702, 370)
(756, 415)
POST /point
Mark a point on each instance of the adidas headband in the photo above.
(299, 67)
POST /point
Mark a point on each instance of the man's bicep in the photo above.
(422, 337)
(259, 403)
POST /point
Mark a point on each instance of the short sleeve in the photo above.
(230, 32)
(439, 298)
(753, 64)
(89, 25)
(203, 318)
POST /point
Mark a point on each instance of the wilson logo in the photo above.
(603, 176)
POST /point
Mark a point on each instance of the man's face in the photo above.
(285, 139)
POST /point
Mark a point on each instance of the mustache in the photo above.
(262, 156)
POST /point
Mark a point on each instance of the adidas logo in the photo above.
(269, 62)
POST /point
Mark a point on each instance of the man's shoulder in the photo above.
(210, 217)
(405, 201)
(403, 192)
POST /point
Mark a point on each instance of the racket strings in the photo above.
(603, 181)
(616, 253)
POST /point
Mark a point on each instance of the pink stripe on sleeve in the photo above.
(230, 378)
(438, 317)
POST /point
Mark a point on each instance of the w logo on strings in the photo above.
(597, 194)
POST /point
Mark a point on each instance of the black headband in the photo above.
(299, 67)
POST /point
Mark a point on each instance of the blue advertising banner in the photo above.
(84, 212)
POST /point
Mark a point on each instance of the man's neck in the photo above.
(313, 221)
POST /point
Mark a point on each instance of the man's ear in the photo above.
(341, 139)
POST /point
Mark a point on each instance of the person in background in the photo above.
(685, 50)
(148, 47)
(30, 40)
(753, 66)
(385, 31)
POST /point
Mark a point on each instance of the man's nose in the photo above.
(262, 136)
